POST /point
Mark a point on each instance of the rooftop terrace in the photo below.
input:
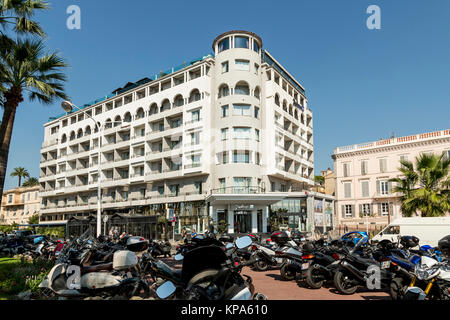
(132, 85)
(393, 141)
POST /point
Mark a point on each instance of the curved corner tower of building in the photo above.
(223, 137)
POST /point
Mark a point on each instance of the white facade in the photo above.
(236, 124)
(363, 192)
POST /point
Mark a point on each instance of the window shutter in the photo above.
(343, 211)
(360, 209)
(371, 208)
(378, 187)
(379, 209)
(391, 208)
(353, 210)
(389, 187)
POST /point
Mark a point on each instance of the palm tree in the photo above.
(426, 188)
(20, 172)
(17, 14)
(25, 67)
(31, 182)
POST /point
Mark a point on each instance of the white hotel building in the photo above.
(222, 137)
(363, 193)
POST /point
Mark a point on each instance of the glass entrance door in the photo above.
(242, 221)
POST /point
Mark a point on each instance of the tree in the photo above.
(320, 180)
(31, 182)
(425, 188)
(34, 219)
(17, 14)
(20, 172)
(25, 67)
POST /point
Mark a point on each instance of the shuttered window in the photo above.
(346, 169)
(348, 210)
(364, 166)
(347, 189)
(365, 188)
(383, 165)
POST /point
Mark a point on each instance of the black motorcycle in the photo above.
(209, 273)
(160, 248)
(359, 269)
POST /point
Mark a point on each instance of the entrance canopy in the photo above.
(264, 199)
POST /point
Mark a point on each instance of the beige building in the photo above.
(19, 204)
(221, 137)
(329, 181)
(363, 193)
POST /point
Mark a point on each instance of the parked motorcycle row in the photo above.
(211, 268)
(97, 267)
(404, 269)
(29, 246)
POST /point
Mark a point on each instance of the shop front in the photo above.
(242, 213)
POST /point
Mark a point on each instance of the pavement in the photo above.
(271, 284)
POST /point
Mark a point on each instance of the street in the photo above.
(270, 283)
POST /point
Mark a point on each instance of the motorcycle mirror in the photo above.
(165, 290)
(179, 257)
(243, 242)
(229, 246)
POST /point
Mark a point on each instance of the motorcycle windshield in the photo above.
(294, 252)
(200, 259)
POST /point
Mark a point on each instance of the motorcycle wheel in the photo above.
(314, 279)
(396, 289)
(341, 284)
(287, 273)
(261, 265)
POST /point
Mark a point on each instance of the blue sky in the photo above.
(362, 84)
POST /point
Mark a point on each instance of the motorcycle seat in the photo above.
(97, 268)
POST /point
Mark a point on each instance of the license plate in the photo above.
(305, 266)
(385, 264)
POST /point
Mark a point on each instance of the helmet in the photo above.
(444, 245)
(409, 241)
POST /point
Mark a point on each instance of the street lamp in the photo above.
(68, 107)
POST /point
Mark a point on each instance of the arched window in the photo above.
(140, 113)
(296, 114)
(117, 121)
(257, 93)
(79, 133)
(165, 105)
(87, 130)
(63, 138)
(242, 88)
(127, 117)
(290, 109)
(285, 105)
(153, 109)
(178, 100)
(108, 123)
(277, 99)
(302, 118)
(224, 90)
(194, 96)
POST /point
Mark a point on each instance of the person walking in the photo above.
(184, 234)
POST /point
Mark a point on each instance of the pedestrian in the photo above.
(183, 234)
(116, 234)
(288, 231)
(194, 233)
(111, 233)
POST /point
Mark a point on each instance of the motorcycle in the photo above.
(76, 276)
(160, 248)
(265, 255)
(355, 270)
(431, 280)
(210, 273)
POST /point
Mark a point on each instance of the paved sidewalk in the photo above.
(270, 283)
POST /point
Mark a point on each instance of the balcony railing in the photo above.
(239, 190)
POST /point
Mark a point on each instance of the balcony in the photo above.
(239, 190)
